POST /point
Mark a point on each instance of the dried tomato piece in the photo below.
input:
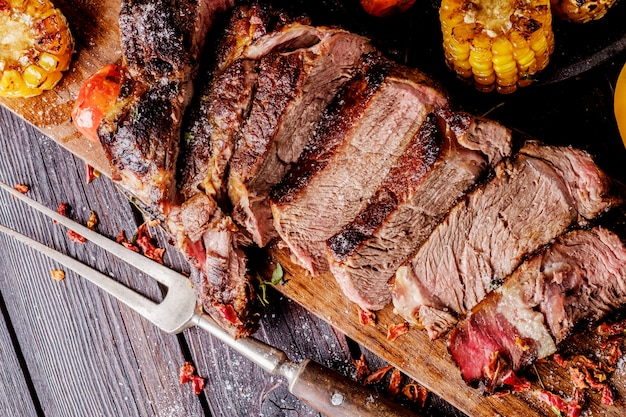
(612, 349)
(396, 330)
(575, 406)
(186, 372)
(63, 209)
(611, 329)
(517, 383)
(147, 246)
(608, 397)
(362, 370)
(21, 188)
(378, 375)
(197, 383)
(75, 237)
(367, 318)
(395, 382)
(91, 173)
(559, 360)
(553, 400)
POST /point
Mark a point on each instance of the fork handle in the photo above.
(333, 394)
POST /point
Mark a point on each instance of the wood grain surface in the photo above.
(52, 323)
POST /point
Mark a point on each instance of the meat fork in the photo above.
(323, 389)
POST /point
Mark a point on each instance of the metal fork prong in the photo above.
(138, 302)
(159, 272)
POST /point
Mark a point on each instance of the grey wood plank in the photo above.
(87, 354)
(14, 384)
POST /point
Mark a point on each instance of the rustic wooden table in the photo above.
(70, 350)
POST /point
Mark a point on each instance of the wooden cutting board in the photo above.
(94, 25)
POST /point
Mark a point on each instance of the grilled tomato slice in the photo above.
(96, 96)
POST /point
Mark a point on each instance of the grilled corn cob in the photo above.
(35, 47)
(581, 11)
(497, 44)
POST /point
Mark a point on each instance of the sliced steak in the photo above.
(359, 139)
(212, 244)
(582, 276)
(161, 44)
(203, 230)
(140, 137)
(296, 81)
(164, 39)
(534, 197)
(223, 103)
(435, 171)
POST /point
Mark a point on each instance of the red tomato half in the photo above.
(95, 98)
(383, 8)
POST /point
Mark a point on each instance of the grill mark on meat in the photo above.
(292, 90)
(580, 277)
(161, 43)
(433, 173)
(473, 249)
(355, 145)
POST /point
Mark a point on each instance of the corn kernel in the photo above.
(34, 76)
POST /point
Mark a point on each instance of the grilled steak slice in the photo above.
(359, 139)
(533, 198)
(582, 276)
(436, 170)
(222, 105)
(296, 81)
(201, 229)
(140, 137)
(164, 39)
(161, 43)
(212, 243)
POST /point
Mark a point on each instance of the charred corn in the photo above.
(35, 47)
(497, 44)
(581, 11)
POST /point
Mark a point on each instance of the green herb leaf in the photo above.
(278, 274)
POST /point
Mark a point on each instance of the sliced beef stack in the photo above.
(443, 160)
(533, 198)
(581, 276)
(300, 69)
(361, 136)
(362, 168)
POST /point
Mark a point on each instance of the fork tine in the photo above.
(138, 302)
(161, 273)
